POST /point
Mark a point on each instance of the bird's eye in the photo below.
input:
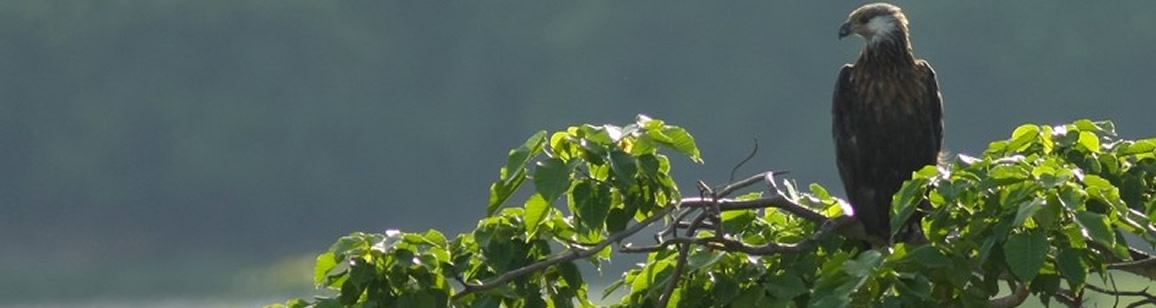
(865, 19)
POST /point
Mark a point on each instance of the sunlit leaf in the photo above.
(536, 209)
(551, 178)
(1089, 142)
(1023, 136)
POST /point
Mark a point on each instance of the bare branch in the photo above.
(679, 268)
(1017, 297)
(732, 245)
(732, 187)
(1148, 297)
(777, 201)
(571, 254)
(1144, 268)
(745, 160)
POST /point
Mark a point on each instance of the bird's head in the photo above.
(875, 22)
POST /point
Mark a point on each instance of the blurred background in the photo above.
(201, 153)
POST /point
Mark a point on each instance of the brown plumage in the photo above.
(887, 116)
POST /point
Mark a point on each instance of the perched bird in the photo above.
(887, 116)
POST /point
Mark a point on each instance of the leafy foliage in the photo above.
(1048, 205)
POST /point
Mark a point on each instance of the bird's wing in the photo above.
(843, 130)
(934, 103)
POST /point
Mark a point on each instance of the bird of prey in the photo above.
(887, 116)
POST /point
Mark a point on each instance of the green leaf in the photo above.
(436, 237)
(725, 289)
(512, 175)
(929, 257)
(1089, 142)
(536, 209)
(552, 178)
(1072, 267)
(591, 202)
(683, 142)
(1026, 210)
(649, 165)
(753, 296)
(820, 192)
(1045, 283)
(904, 203)
(325, 263)
(1009, 173)
(1139, 147)
(624, 167)
(786, 286)
(1023, 136)
(1025, 254)
(864, 265)
(1097, 227)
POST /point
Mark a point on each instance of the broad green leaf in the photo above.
(1086, 125)
(1096, 181)
(752, 296)
(624, 166)
(1089, 142)
(786, 286)
(436, 237)
(725, 289)
(1139, 147)
(325, 263)
(904, 203)
(1009, 173)
(919, 288)
(1097, 227)
(551, 178)
(1046, 283)
(820, 192)
(1023, 136)
(512, 175)
(863, 265)
(700, 258)
(591, 202)
(683, 142)
(1072, 267)
(1025, 254)
(536, 209)
(929, 257)
(1026, 210)
(649, 165)
(642, 145)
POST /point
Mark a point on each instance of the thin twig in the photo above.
(683, 251)
(672, 229)
(727, 244)
(1142, 293)
(745, 160)
(679, 268)
(777, 201)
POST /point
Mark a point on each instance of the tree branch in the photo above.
(1144, 268)
(1017, 297)
(777, 201)
(732, 245)
(1148, 297)
(570, 254)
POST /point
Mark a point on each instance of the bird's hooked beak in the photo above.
(844, 30)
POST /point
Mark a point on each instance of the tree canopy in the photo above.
(1049, 212)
